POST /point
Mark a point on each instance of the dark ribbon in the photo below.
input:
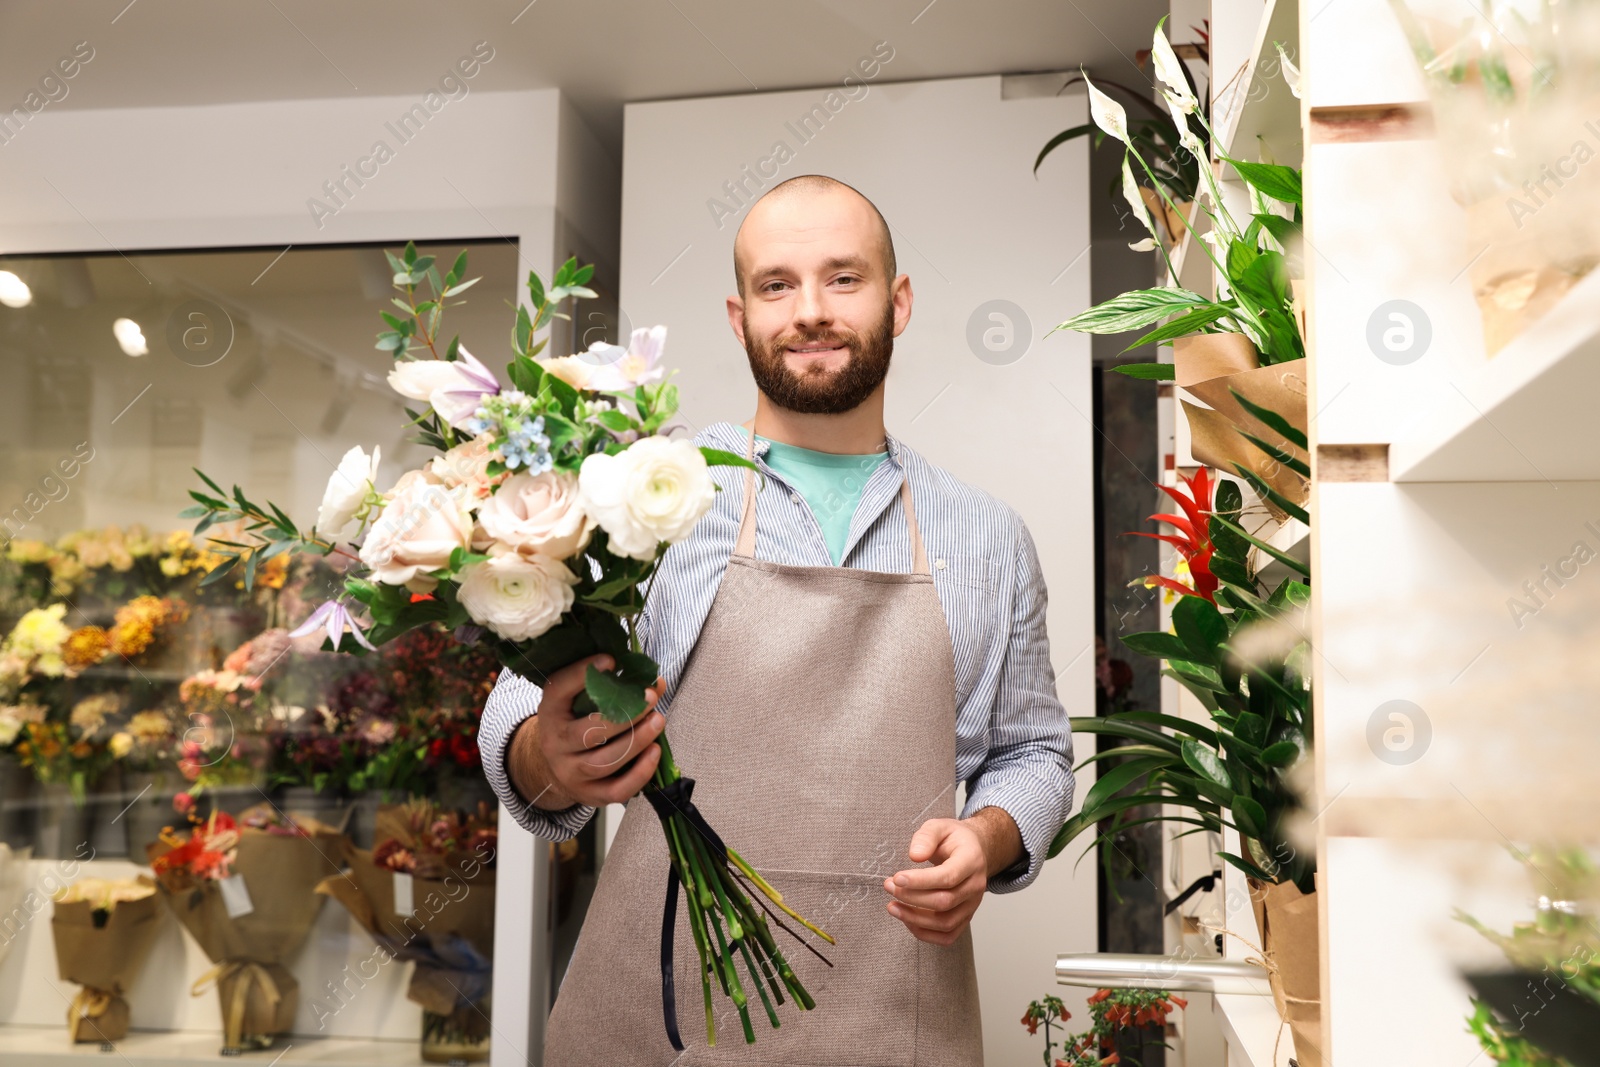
(675, 799)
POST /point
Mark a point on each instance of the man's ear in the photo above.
(900, 300)
(736, 317)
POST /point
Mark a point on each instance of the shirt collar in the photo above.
(736, 439)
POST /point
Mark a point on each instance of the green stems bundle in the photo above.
(722, 918)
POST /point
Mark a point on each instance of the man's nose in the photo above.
(811, 310)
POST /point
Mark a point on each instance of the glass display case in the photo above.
(215, 833)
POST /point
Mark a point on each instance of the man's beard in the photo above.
(815, 390)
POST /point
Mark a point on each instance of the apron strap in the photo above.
(746, 545)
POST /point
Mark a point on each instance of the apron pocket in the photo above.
(866, 1013)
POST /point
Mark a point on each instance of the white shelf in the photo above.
(1251, 1027)
(1524, 416)
(48, 1045)
(1266, 125)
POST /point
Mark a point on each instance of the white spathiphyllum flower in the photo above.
(1130, 193)
(537, 513)
(346, 495)
(418, 529)
(1291, 73)
(653, 491)
(518, 597)
(1169, 68)
(1107, 113)
(454, 388)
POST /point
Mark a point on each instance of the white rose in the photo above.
(347, 490)
(518, 597)
(537, 513)
(453, 388)
(466, 465)
(654, 491)
(418, 529)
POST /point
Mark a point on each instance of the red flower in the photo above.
(1099, 996)
(1193, 539)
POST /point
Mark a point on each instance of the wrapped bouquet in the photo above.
(426, 895)
(103, 932)
(244, 888)
(537, 529)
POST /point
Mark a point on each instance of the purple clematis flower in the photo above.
(335, 617)
(454, 388)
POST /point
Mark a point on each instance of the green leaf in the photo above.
(525, 374)
(1246, 866)
(616, 421)
(1132, 310)
(1118, 778)
(1281, 754)
(198, 511)
(1205, 762)
(1201, 628)
(1249, 816)
(616, 699)
(1153, 372)
(1266, 492)
(1060, 139)
(1158, 644)
(1283, 230)
(1171, 722)
(1272, 419)
(1184, 325)
(716, 457)
(1282, 557)
(1280, 183)
(1241, 257)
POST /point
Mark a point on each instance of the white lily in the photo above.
(1169, 68)
(1291, 73)
(1107, 113)
(1130, 193)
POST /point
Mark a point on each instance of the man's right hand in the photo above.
(557, 759)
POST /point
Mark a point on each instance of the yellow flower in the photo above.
(38, 636)
(150, 727)
(66, 569)
(89, 714)
(85, 647)
(121, 744)
(29, 552)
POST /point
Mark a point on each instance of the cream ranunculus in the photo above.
(518, 597)
(418, 529)
(346, 494)
(538, 513)
(654, 491)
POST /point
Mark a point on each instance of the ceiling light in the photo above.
(14, 292)
(130, 337)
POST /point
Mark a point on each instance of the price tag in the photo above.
(403, 904)
(236, 896)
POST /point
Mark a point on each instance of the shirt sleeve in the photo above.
(514, 700)
(1028, 771)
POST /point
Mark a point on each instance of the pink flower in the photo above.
(183, 803)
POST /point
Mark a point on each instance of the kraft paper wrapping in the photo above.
(104, 960)
(281, 872)
(1287, 919)
(1522, 273)
(448, 934)
(1176, 223)
(1211, 367)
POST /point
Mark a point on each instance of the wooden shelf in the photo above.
(1525, 415)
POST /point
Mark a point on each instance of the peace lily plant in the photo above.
(537, 528)
(1254, 295)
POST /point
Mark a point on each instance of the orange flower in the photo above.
(85, 647)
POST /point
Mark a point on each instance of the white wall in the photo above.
(949, 163)
(481, 165)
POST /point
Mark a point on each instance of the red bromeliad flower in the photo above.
(1193, 537)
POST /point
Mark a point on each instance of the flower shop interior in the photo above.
(1279, 294)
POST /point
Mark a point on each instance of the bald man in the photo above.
(844, 643)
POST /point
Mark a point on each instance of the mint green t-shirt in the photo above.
(831, 484)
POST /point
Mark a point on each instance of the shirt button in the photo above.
(939, 564)
(795, 497)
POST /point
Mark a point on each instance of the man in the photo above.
(839, 649)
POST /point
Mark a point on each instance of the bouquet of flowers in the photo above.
(103, 933)
(426, 895)
(537, 530)
(243, 888)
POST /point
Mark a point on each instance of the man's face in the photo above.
(819, 316)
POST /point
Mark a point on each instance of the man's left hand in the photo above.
(936, 903)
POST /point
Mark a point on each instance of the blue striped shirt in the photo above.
(1013, 742)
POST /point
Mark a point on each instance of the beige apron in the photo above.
(817, 714)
